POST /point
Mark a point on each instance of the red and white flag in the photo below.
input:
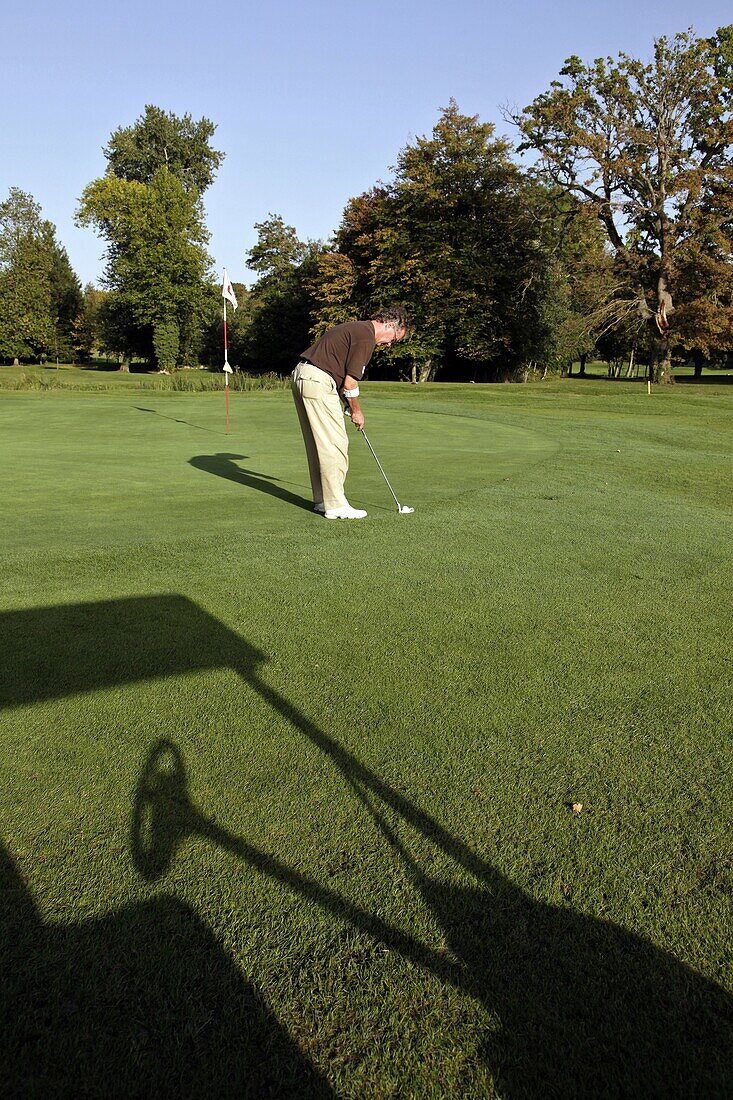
(227, 290)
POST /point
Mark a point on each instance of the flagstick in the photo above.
(226, 369)
(227, 292)
(225, 331)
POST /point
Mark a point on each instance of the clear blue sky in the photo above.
(312, 100)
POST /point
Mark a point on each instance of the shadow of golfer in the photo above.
(224, 465)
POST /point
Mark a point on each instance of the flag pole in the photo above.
(227, 369)
(227, 293)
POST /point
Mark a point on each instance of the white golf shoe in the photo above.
(345, 512)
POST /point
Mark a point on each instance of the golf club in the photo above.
(403, 509)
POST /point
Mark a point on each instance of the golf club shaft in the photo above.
(366, 437)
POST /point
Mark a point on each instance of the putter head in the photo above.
(405, 510)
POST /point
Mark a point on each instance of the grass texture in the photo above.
(428, 805)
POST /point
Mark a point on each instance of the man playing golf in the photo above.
(328, 371)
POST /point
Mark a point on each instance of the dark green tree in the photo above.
(87, 335)
(40, 296)
(281, 301)
(453, 238)
(277, 251)
(120, 335)
(67, 300)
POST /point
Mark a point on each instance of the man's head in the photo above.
(391, 325)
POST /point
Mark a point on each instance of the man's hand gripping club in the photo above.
(352, 408)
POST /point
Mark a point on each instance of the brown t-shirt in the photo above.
(345, 349)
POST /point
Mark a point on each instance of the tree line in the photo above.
(612, 238)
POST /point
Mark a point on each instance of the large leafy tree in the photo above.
(453, 237)
(157, 262)
(148, 207)
(647, 147)
(40, 296)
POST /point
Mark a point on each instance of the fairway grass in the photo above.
(427, 805)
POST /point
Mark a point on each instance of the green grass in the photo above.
(287, 806)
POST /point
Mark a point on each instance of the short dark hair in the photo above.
(393, 315)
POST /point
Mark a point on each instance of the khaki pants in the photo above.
(321, 418)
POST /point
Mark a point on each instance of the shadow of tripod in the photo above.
(583, 1003)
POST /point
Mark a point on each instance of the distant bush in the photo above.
(204, 381)
(180, 381)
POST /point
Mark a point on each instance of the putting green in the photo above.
(138, 468)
